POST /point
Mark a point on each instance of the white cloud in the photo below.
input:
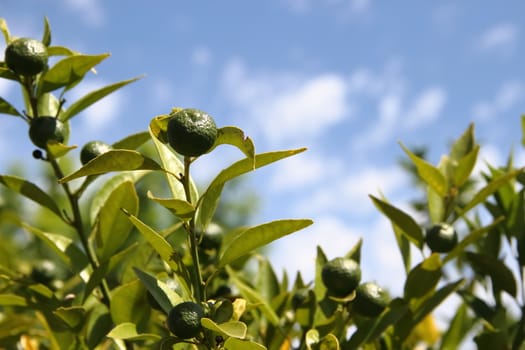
(507, 97)
(201, 56)
(346, 6)
(500, 37)
(286, 107)
(426, 107)
(91, 11)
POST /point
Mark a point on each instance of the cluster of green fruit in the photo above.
(441, 238)
(342, 279)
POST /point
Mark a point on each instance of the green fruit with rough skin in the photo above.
(441, 238)
(341, 276)
(92, 150)
(44, 272)
(26, 56)
(184, 319)
(191, 132)
(45, 129)
(370, 300)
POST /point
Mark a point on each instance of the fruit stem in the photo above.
(27, 83)
(77, 223)
(190, 227)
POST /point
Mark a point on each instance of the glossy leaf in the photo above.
(12, 300)
(92, 97)
(234, 136)
(179, 207)
(241, 344)
(234, 329)
(435, 300)
(7, 108)
(68, 72)
(73, 316)
(402, 220)
(60, 51)
(355, 252)
(464, 145)
(31, 191)
(46, 37)
(258, 236)
(431, 175)
(128, 330)
(114, 160)
(127, 303)
(113, 226)
(423, 278)
(5, 30)
(500, 274)
(132, 141)
(267, 282)
(161, 292)
(465, 166)
(404, 247)
(320, 261)
(210, 198)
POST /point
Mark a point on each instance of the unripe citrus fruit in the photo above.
(26, 56)
(44, 129)
(441, 238)
(44, 272)
(92, 150)
(370, 300)
(191, 132)
(184, 319)
(341, 276)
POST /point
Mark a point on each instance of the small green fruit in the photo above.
(191, 132)
(26, 56)
(370, 300)
(45, 129)
(184, 319)
(92, 150)
(44, 272)
(341, 276)
(441, 238)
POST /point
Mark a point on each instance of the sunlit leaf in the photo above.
(258, 236)
(31, 191)
(161, 292)
(7, 108)
(7, 74)
(5, 30)
(234, 136)
(311, 338)
(423, 278)
(179, 207)
(234, 329)
(431, 175)
(114, 160)
(113, 226)
(464, 145)
(128, 330)
(267, 282)
(12, 300)
(402, 220)
(60, 51)
(241, 344)
(465, 166)
(68, 71)
(132, 141)
(46, 37)
(459, 327)
(127, 303)
(210, 198)
(92, 97)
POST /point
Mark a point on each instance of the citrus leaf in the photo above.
(402, 220)
(6, 73)
(464, 145)
(127, 303)
(92, 97)
(500, 274)
(234, 136)
(60, 51)
(12, 300)
(161, 292)
(68, 72)
(258, 236)
(73, 316)
(7, 108)
(431, 175)
(267, 282)
(5, 30)
(133, 141)
(179, 207)
(241, 344)
(234, 329)
(253, 297)
(320, 261)
(464, 167)
(209, 200)
(114, 160)
(435, 300)
(423, 278)
(128, 330)
(113, 226)
(329, 342)
(460, 326)
(31, 191)
(46, 37)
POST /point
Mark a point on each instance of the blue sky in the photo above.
(347, 79)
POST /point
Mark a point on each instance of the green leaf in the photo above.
(431, 175)
(113, 226)
(162, 247)
(7, 108)
(7, 74)
(133, 141)
(464, 167)
(436, 206)
(355, 252)
(210, 198)
(254, 297)
(464, 145)
(320, 261)
(127, 303)
(267, 282)
(488, 190)
(235, 329)
(404, 247)
(12, 300)
(5, 30)
(460, 326)
(73, 316)
(402, 220)
(492, 339)
(234, 136)
(312, 338)
(68, 72)
(48, 105)
(258, 236)
(92, 97)
(500, 274)
(241, 344)
(179, 207)
(46, 37)
(329, 342)
(435, 300)
(114, 160)
(423, 278)
(128, 331)
(31, 191)
(161, 292)
(60, 51)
